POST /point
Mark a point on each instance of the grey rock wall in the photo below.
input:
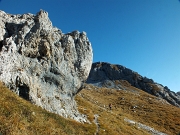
(43, 65)
(104, 74)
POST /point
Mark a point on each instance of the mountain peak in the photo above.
(108, 75)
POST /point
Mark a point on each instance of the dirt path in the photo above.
(97, 123)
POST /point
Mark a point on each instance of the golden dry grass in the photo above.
(133, 104)
(20, 117)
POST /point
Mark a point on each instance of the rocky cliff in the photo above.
(41, 64)
(109, 75)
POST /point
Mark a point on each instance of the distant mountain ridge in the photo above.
(108, 75)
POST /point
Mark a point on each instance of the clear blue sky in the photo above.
(143, 35)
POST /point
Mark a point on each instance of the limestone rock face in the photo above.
(108, 75)
(41, 64)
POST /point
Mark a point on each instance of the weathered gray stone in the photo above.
(106, 75)
(145, 127)
(41, 64)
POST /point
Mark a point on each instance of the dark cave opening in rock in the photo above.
(1, 45)
(24, 92)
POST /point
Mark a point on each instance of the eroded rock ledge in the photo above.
(41, 64)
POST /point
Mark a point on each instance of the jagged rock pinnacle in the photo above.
(41, 64)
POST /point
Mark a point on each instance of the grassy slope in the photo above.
(18, 116)
(133, 104)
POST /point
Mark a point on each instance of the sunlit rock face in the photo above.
(104, 74)
(41, 64)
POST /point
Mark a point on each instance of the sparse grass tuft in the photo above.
(115, 67)
(155, 88)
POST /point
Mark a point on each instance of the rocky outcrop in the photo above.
(41, 64)
(109, 75)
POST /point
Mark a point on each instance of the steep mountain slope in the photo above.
(131, 104)
(20, 117)
(109, 75)
(134, 112)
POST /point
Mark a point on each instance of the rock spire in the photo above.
(41, 64)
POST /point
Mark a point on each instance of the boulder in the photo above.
(43, 65)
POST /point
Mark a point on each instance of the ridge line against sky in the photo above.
(142, 35)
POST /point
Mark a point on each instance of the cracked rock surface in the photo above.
(43, 65)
